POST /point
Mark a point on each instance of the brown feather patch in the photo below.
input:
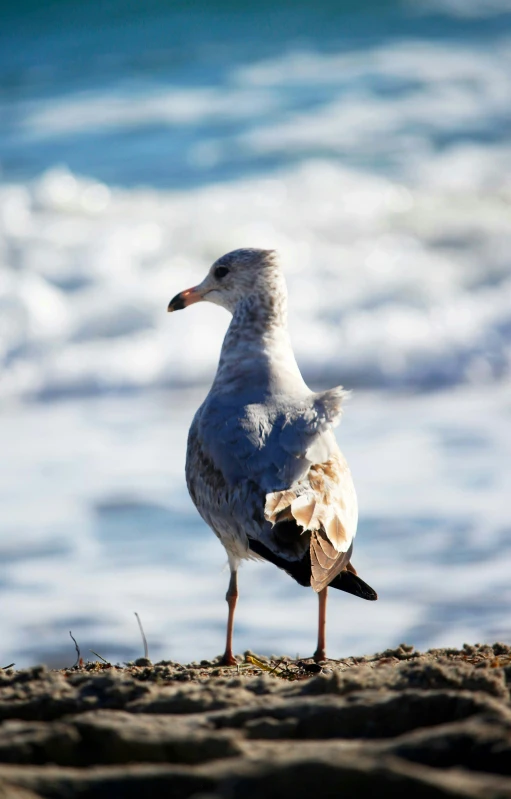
(336, 532)
(323, 504)
(284, 515)
(276, 503)
(326, 562)
(304, 511)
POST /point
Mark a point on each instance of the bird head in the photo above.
(233, 277)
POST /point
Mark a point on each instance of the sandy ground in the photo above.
(436, 723)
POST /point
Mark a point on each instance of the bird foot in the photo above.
(319, 655)
(228, 659)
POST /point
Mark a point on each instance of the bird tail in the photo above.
(353, 584)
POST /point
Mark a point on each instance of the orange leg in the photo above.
(231, 596)
(320, 653)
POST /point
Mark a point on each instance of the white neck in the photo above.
(257, 351)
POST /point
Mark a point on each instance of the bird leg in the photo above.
(231, 596)
(320, 653)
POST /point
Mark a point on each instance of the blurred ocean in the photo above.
(369, 143)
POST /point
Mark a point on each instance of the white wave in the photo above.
(396, 279)
(436, 90)
(414, 60)
(475, 9)
(99, 110)
(389, 284)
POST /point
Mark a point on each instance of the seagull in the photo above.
(263, 467)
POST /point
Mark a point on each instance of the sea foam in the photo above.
(390, 284)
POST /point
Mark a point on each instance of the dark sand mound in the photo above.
(435, 724)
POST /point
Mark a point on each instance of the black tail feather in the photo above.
(300, 570)
(353, 584)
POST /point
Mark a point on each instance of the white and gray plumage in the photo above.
(263, 467)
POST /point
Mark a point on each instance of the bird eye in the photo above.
(221, 272)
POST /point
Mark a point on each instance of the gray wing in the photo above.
(252, 466)
(272, 444)
(233, 510)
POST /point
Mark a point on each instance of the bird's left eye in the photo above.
(221, 271)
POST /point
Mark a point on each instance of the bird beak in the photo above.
(185, 298)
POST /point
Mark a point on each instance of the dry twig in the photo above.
(102, 658)
(144, 639)
(79, 661)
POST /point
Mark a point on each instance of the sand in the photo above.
(433, 724)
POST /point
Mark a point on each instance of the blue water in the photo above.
(125, 50)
